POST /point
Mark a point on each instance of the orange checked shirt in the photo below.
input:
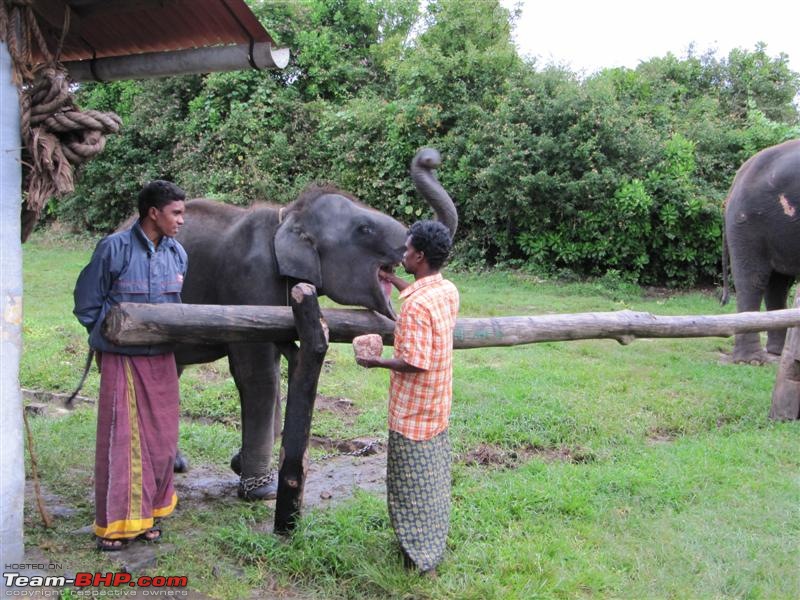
(419, 403)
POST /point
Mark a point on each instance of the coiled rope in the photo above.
(57, 135)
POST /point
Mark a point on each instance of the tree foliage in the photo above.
(621, 172)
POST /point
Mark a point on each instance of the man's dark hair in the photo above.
(433, 239)
(158, 193)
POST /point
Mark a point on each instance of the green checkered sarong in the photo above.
(418, 494)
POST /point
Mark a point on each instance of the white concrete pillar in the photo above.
(12, 466)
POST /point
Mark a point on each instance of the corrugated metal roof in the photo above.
(104, 28)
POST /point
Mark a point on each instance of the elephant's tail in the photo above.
(725, 288)
(87, 366)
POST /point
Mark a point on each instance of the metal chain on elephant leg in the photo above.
(248, 484)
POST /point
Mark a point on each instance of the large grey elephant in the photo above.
(255, 256)
(762, 234)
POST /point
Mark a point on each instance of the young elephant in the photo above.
(762, 234)
(254, 256)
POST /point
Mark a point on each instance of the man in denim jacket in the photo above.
(138, 408)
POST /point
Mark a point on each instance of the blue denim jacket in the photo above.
(126, 267)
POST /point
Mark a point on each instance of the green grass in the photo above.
(679, 486)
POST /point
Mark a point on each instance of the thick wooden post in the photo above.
(303, 379)
(786, 393)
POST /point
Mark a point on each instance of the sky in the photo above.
(588, 35)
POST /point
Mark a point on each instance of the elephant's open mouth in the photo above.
(386, 288)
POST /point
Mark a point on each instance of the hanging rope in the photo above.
(46, 518)
(57, 136)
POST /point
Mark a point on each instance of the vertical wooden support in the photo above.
(303, 379)
(786, 393)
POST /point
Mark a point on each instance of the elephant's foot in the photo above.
(756, 358)
(236, 463)
(181, 464)
(775, 349)
(258, 488)
(264, 487)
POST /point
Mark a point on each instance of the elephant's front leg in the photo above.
(256, 371)
(775, 299)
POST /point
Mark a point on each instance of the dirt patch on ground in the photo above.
(662, 293)
(659, 435)
(329, 481)
(56, 401)
(354, 447)
(333, 480)
(344, 408)
(487, 455)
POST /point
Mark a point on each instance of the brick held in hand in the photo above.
(368, 346)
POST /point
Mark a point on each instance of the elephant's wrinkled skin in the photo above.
(254, 256)
(762, 234)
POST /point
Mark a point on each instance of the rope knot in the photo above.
(58, 136)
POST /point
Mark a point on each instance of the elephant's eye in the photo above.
(365, 229)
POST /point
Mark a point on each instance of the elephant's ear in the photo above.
(296, 254)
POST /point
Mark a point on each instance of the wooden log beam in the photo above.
(146, 324)
(786, 393)
(303, 379)
(139, 325)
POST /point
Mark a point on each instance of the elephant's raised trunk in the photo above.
(422, 167)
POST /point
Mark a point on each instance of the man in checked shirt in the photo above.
(420, 396)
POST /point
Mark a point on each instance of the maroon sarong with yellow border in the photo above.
(137, 438)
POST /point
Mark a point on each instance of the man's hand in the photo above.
(368, 363)
(393, 278)
(395, 364)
